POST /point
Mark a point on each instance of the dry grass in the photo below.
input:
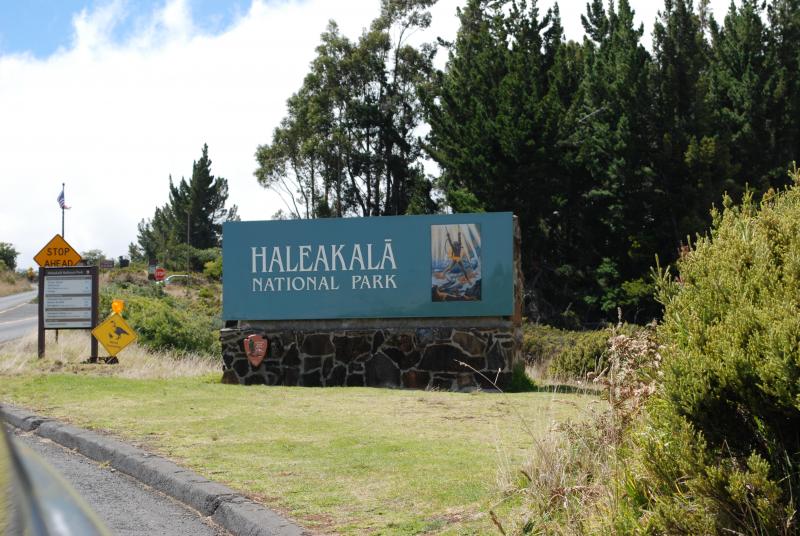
(13, 285)
(73, 348)
(570, 480)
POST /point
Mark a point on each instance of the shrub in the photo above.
(183, 256)
(8, 254)
(568, 481)
(213, 269)
(166, 322)
(719, 451)
(520, 381)
(587, 352)
(542, 343)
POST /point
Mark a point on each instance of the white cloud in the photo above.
(114, 120)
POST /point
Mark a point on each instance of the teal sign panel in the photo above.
(382, 267)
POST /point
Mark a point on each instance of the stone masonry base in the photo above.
(442, 358)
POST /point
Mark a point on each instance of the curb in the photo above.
(227, 508)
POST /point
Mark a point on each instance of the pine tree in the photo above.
(784, 18)
(612, 138)
(742, 89)
(192, 216)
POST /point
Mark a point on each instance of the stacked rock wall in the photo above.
(444, 358)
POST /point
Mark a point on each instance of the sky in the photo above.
(111, 97)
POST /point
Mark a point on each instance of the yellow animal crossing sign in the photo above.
(114, 334)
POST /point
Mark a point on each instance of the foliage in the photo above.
(163, 321)
(213, 268)
(348, 143)
(607, 153)
(191, 220)
(718, 452)
(184, 257)
(93, 257)
(541, 343)
(520, 381)
(587, 353)
(8, 255)
(569, 482)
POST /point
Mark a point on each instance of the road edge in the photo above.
(229, 509)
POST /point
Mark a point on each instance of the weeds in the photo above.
(11, 283)
(568, 481)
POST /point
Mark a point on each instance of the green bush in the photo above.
(720, 449)
(541, 343)
(213, 269)
(166, 322)
(183, 257)
(520, 381)
(587, 352)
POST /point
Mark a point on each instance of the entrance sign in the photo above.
(382, 267)
(114, 334)
(57, 253)
(68, 299)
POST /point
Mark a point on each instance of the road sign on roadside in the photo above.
(160, 274)
(67, 295)
(68, 299)
(57, 253)
(114, 334)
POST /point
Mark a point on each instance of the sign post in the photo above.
(68, 299)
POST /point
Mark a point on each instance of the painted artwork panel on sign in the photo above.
(394, 266)
(456, 262)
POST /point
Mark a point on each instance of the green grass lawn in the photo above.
(342, 460)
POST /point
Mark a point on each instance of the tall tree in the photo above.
(8, 256)
(348, 144)
(784, 18)
(193, 214)
(498, 127)
(743, 84)
(691, 161)
(198, 206)
(612, 143)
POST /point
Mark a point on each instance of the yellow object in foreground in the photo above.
(114, 334)
(117, 306)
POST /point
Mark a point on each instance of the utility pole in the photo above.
(188, 251)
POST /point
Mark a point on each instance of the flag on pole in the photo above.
(61, 202)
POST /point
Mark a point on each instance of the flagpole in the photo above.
(62, 225)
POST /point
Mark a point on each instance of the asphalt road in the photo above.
(18, 316)
(127, 506)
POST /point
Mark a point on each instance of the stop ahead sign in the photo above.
(160, 274)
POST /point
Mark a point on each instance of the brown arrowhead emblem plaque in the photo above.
(255, 346)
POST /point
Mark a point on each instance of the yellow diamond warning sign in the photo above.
(57, 253)
(114, 334)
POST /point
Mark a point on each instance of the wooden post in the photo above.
(95, 308)
(41, 313)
